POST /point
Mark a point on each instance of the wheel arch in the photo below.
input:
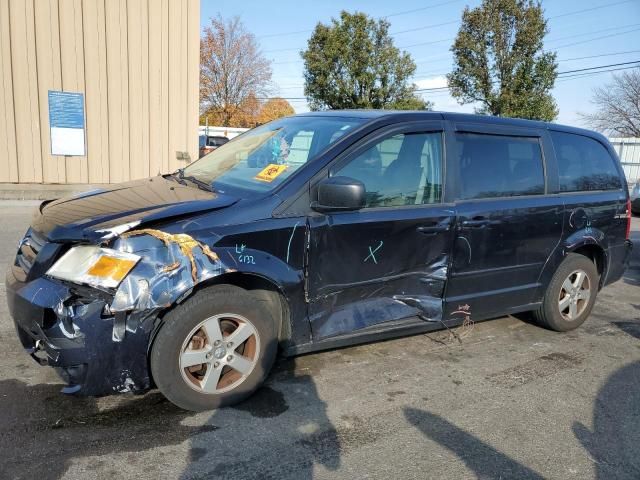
(270, 290)
(596, 253)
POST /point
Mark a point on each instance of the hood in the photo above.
(99, 213)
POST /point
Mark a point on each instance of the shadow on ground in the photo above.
(266, 438)
(43, 430)
(482, 459)
(614, 440)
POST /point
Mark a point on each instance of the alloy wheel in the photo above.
(574, 295)
(219, 353)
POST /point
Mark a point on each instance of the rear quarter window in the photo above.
(584, 164)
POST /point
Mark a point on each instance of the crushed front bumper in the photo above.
(72, 333)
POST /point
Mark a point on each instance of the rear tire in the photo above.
(570, 295)
(215, 349)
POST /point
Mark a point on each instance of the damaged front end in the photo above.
(97, 337)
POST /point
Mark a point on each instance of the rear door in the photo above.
(507, 225)
(383, 264)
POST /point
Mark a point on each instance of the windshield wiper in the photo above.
(177, 176)
(197, 182)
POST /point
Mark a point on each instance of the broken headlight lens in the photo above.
(95, 266)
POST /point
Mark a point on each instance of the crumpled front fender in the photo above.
(171, 265)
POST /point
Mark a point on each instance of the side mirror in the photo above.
(339, 194)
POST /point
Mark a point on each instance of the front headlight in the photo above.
(95, 266)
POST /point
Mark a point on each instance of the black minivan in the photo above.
(317, 231)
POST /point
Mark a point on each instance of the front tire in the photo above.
(570, 295)
(215, 349)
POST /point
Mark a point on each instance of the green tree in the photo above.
(500, 63)
(352, 63)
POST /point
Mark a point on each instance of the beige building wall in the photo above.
(137, 63)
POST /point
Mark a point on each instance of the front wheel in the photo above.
(570, 295)
(215, 349)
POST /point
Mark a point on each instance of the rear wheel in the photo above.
(215, 349)
(570, 295)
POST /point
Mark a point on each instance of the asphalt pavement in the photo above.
(511, 400)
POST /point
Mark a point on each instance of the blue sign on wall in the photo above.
(66, 123)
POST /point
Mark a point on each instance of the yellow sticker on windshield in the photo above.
(271, 172)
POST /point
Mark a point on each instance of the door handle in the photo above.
(476, 223)
(432, 229)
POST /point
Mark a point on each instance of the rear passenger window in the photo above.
(499, 166)
(584, 164)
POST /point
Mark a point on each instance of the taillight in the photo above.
(628, 234)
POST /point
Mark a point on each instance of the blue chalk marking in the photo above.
(246, 259)
(372, 252)
(290, 239)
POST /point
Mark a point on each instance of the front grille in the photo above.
(30, 246)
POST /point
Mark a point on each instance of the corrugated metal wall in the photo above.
(628, 149)
(137, 63)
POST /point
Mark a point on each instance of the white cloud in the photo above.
(449, 104)
(432, 82)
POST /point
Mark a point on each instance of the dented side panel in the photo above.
(593, 221)
(500, 250)
(382, 265)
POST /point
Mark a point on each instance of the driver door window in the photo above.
(404, 169)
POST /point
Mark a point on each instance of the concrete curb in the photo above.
(33, 191)
(19, 203)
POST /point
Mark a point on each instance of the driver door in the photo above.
(381, 266)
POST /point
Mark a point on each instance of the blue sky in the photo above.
(588, 28)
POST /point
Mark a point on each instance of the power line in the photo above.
(428, 7)
(271, 35)
(596, 38)
(575, 12)
(593, 32)
(428, 43)
(552, 40)
(283, 34)
(433, 42)
(439, 74)
(589, 74)
(440, 58)
(559, 74)
(598, 67)
(430, 75)
(445, 89)
(566, 14)
(432, 89)
(597, 56)
(425, 27)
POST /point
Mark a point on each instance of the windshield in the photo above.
(264, 157)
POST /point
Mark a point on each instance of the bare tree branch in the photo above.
(617, 106)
